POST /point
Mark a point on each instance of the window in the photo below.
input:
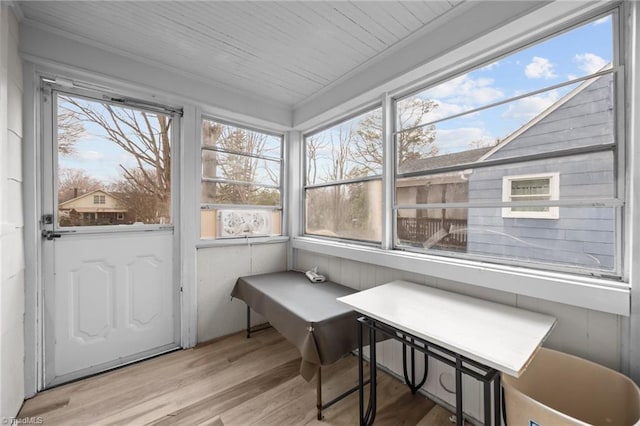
(343, 185)
(479, 158)
(241, 192)
(531, 188)
(96, 157)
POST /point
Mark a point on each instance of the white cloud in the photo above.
(465, 91)
(456, 140)
(602, 20)
(442, 110)
(540, 68)
(527, 108)
(589, 62)
(490, 66)
(90, 155)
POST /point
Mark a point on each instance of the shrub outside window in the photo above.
(343, 182)
(241, 182)
(479, 158)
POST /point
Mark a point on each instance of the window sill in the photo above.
(226, 242)
(590, 293)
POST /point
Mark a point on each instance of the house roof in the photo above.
(69, 203)
(541, 116)
(481, 154)
(445, 160)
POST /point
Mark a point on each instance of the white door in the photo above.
(110, 291)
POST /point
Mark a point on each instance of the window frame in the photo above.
(552, 212)
(598, 291)
(222, 207)
(306, 186)
(617, 147)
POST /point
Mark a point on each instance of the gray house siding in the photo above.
(583, 237)
(586, 119)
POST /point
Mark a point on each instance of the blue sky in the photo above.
(573, 54)
(94, 153)
(576, 53)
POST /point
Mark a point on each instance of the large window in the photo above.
(343, 183)
(485, 160)
(241, 192)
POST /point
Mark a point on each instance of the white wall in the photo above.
(11, 222)
(586, 333)
(217, 271)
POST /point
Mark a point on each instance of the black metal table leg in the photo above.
(370, 415)
(413, 386)
(498, 401)
(360, 375)
(248, 322)
(459, 416)
(487, 402)
(319, 394)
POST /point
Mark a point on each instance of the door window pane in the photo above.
(114, 164)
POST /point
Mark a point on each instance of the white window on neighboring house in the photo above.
(99, 199)
(538, 187)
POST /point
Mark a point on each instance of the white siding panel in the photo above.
(12, 301)
(267, 258)
(218, 268)
(603, 334)
(570, 333)
(13, 217)
(13, 57)
(14, 106)
(13, 157)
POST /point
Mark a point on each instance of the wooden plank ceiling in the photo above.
(283, 51)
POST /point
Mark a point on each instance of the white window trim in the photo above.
(599, 294)
(384, 106)
(554, 194)
(219, 239)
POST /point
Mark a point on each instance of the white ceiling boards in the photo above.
(285, 52)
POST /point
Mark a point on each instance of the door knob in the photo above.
(50, 235)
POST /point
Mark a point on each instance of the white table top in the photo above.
(499, 336)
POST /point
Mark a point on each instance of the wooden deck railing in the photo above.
(445, 233)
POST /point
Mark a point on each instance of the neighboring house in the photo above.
(441, 188)
(93, 208)
(578, 236)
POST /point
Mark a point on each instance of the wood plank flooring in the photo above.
(230, 381)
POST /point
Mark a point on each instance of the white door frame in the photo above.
(185, 211)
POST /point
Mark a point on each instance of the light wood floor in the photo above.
(231, 381)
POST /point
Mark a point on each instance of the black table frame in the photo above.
(462, 365)
(319, 404)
